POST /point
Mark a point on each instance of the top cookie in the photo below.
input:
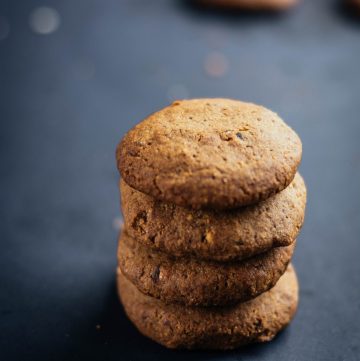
(210, 153)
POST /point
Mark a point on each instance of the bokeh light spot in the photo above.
(216, 64)
(44, 20)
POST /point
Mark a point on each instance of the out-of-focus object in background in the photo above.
(354, 5)
(216, 65)
(44, 20)
(271, 5)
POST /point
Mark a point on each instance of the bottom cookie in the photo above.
(176, 326)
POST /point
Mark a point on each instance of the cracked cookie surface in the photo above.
(210, 153)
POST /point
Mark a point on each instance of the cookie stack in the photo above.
(212, 206)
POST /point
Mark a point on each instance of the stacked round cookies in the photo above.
(212, 206)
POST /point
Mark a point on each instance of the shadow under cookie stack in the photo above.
(212, 206)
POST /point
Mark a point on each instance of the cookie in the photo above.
(210, 153)
(192, 282)
(273, 5)
(176, 326)
(354, 5)
(211, 234)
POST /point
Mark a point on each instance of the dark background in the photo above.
(66, 99)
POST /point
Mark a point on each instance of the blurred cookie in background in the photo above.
(354, 5)
(264, 5)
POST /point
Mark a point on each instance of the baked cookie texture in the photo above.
(273, 5)
(200, 283)
(176, 326)
(210, 153)
(212, 234)
(212, 205)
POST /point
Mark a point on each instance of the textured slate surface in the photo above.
(66, 99)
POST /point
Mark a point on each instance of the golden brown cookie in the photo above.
(274, 5)
(192, 282)
(211, 234)
(176, 326)
(215, 153)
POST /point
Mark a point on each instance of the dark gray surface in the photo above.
(59, 126)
